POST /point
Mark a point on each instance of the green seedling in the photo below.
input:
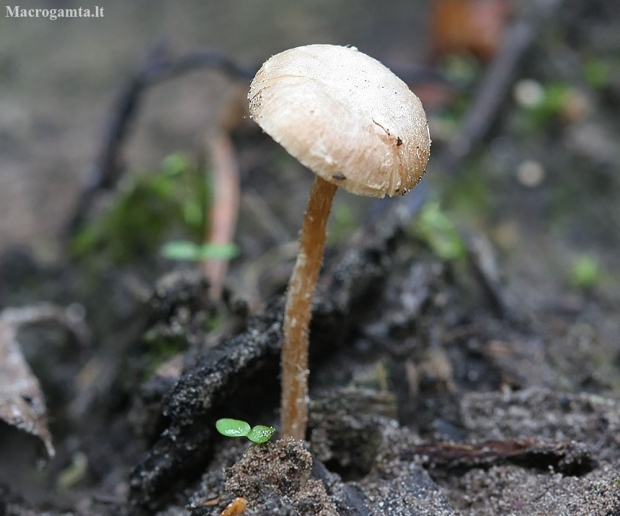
(260, 434)
(185, 250)
(236, 428)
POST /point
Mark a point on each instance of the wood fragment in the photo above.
(212, 501)
(567, 456)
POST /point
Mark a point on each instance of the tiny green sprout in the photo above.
(232, 427)
(184, 250)
(261, 434)
(236, 428)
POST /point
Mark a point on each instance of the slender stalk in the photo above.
(299, 310)
(224, 207)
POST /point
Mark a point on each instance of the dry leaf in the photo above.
(22, 404)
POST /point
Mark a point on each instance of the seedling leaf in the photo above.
(261, 434)
(184, 250)
(232, 427)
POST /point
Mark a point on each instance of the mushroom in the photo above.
(351, 121)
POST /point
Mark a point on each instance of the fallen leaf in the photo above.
(22, 403)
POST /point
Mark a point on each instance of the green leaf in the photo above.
(180, 250)
(217, 251)
(260, 434)
(175, 164)
(232, 427)
(185, 250)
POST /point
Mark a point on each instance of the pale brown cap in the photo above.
(345, 116)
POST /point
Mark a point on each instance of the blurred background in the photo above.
(544, 162)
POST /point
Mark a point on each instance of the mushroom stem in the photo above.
(299, 310)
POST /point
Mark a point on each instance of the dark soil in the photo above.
(482, 381)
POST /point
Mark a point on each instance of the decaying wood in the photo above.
(569, 457)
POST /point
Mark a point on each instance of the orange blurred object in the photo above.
(469, 26)
(234, 508)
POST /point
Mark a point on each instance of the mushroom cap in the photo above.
(345, 116)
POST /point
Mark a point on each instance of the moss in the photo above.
(147, 209)
(436, 229)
